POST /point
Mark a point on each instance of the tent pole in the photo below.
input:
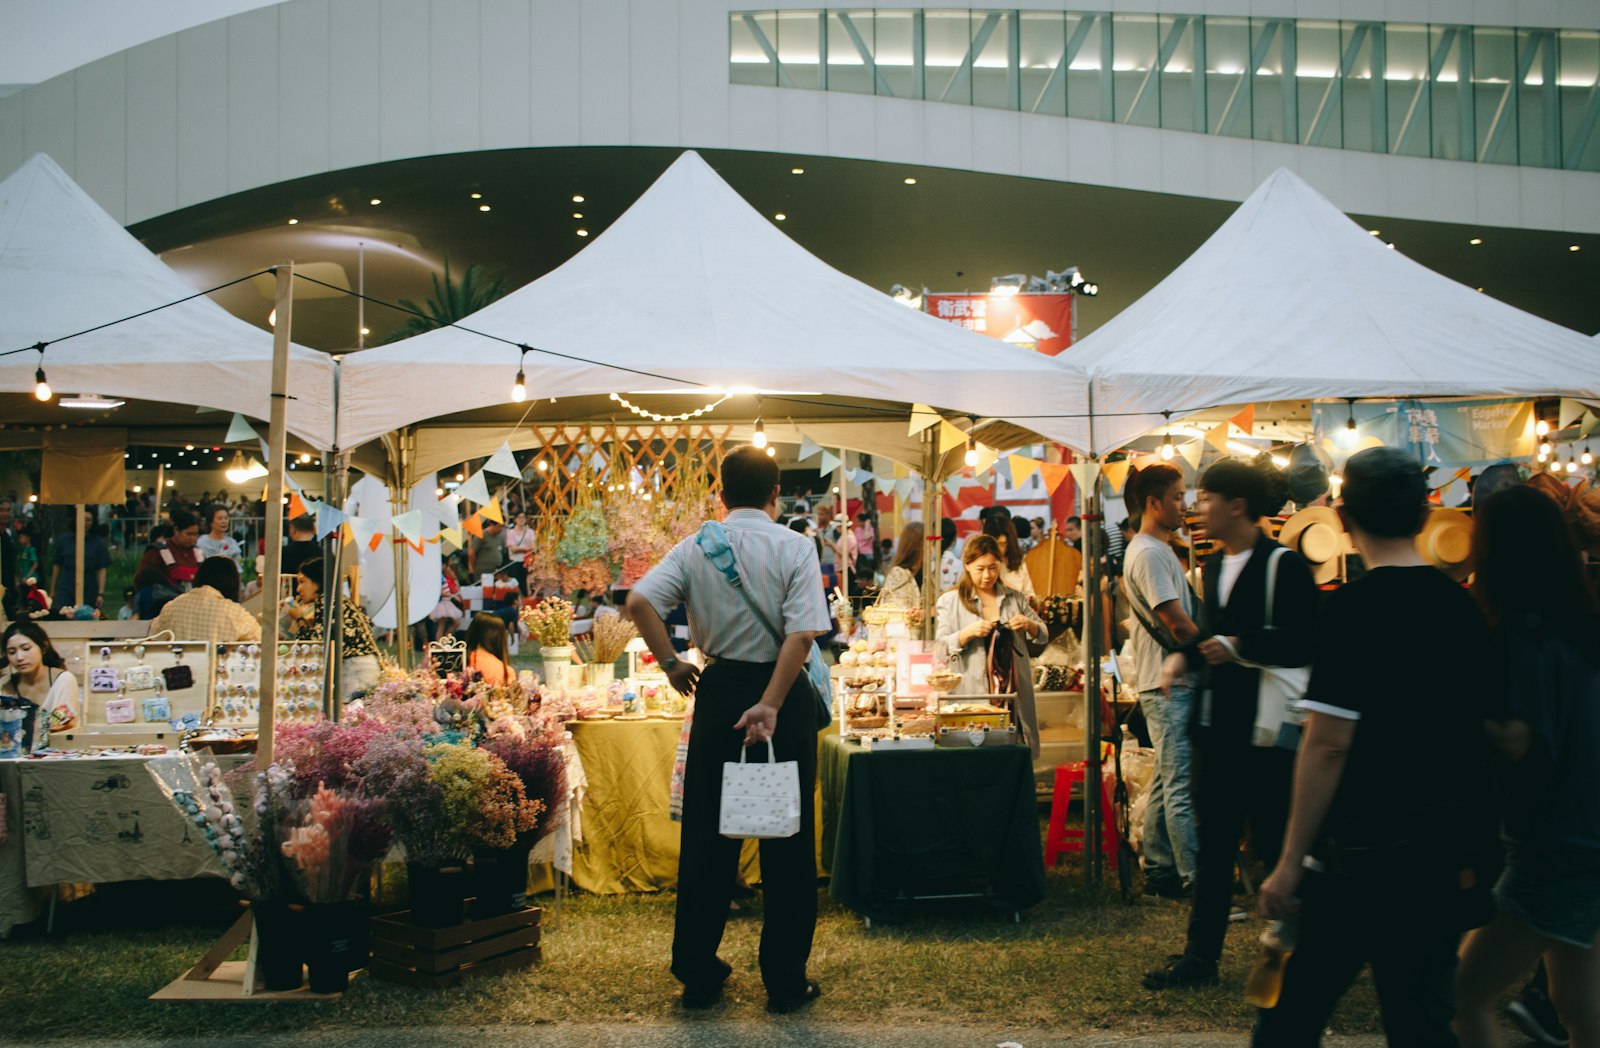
(332, 579)
(1094, 541)
(844, 515)
(931, 525)
(274, 510)
(398, 499)
(77, 564)
(161, 483)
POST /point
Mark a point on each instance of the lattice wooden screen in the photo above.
(584, 460)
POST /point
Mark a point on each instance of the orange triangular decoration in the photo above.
(474, 525)
(1053, 473)
(491, 511)
(1116, 474)
(414, 545)
(1246, 419)
(375, 541)
(297, 508)
(1464, 473)
(1217, 436)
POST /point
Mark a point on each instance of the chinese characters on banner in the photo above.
(1038, 322)
(1451, 433)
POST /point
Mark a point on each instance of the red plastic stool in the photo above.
(1061, 840)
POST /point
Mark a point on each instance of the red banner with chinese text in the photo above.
(1039, 322)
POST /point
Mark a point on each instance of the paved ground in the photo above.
(788, 1033)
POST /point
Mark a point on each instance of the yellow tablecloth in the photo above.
(629, 843)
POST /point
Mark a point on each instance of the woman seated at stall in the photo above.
(307, 613)
(211, 611)
(38, 695)
(489, 650)
(992, 632)
(902, 587)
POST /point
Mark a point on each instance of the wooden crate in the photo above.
(439, 957)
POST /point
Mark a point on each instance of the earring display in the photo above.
(139, 688)
(237, 689)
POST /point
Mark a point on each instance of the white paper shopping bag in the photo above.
(760, 801)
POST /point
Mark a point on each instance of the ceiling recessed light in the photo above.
(1480, 290)
(483, 207)
(797, 171)
(577, 214)
(366, 331)
(477, 196)
(1475, 241)
(911, 181)
(1375, 232)
(780, 216)
(375, 201)
(1574, 247)
(1391, 247)
(583, 232)
(577, 198)
(294, 221)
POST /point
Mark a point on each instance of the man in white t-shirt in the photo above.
(1164, 609)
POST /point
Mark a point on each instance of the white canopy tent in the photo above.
(693, 290)
(66, 265)
(1290, 299)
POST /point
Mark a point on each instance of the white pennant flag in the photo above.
(239, 430)
(808, 448)
(503, 462)
(829, 462)
(475, 489)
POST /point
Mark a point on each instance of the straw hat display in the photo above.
(1315, 534)
(1446, 542)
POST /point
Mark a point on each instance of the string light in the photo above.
(544, 467)
(1167, 450)
(1588, 456)
(1542, 427)
(1349, 436)
(1544, 450)
(41, 388)
(760, 438)
(772, 452)
(1572, 465)
(654, 417)
(519, 388)
(971, 457)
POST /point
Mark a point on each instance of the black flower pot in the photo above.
(438, 894)
(279, 946)
(336, 943)
(500, 879)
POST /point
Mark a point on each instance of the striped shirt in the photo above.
(780, 572)
(204, 614)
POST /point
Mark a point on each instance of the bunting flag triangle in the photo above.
(491, 511)
(1464, 473)
(503, 462)
(239, 430)
(865, 477)
(950, 437)
(828, 463)
(922, 416)
(453, 537)
(368, 532)
(1192, 452)
(906, 486)
(808, 448)
(328, 519)
(297, 505)
(294, 485)
(1116, 474)
(1085, 473)
(1022, 467)
(474, 526)
(1053, 473)
(1246, 419)
(447, 511)
(987, 457)
(1591, 422)
(475, 489)
(417, 545)
(1571, 411)
(1217, 437)
(409, 524)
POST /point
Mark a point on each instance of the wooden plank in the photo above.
(226, 986)
(450, 960)
(395, 928)
(231, 940)
(394, 973)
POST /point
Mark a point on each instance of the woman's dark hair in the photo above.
(1000, 526)
(160, 532)
(1385, 493)
(1254, 482)
(1528, 569)
(977, 546)
(221, 574)
(183, 520)
(947, 534)
(211, 514)
(908, 554)
(489, 633)
(41, 640)
(748, 477)
(150, 577)
(311, 570)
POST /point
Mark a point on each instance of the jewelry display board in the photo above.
(236, 691)
(140, 687)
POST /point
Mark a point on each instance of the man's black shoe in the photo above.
(700, 998)
(794, 1004)
(1184, 971)
(1536, 1016)
(1167, 888)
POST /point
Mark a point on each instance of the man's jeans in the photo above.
(1170, 843)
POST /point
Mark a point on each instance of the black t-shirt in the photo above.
(297, 551)
(1400, 652)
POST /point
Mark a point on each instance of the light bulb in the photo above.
(1543, 454)
(1572, 465)
(519, 389)
(1167, 450)
(760, 438)
(543, 466)
(972, 452)
(772, 452)
(41, 389)
(1542, 427)
(1588, 457)
(1544, 448)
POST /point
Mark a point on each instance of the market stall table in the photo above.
(629, 842)
(92, 819)
(908, 824)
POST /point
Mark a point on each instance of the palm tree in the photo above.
(451, 300)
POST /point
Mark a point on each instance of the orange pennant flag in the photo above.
(375, 541)
(1246, 419)
(297, 508)
(349, 532)
(491, 511)
(1116, 474)
(474, 525)
(1464, 473)
(1217, 436)
(414, 545)
(1053, 473)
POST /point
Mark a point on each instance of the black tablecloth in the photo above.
(910, 823)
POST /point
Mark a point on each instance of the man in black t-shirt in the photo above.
(302, 544)
(1381, 860)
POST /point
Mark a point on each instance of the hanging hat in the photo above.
(1445, 541)
(1308, 473)
(1316, 534)
(1583, 511)
(1551, 485)
(1493, 480)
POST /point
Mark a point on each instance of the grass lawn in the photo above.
(1073, 963)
